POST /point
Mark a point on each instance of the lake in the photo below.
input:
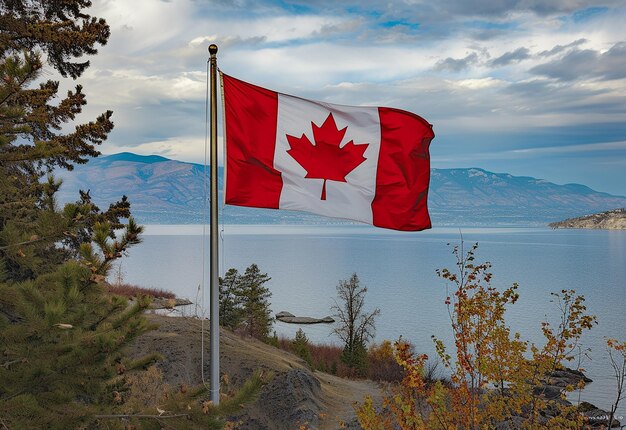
(398, 268)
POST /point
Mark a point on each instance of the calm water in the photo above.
(306, 263)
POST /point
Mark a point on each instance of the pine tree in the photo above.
(244, 302)
(32, 142)
(257, 319)
(230, 299)
(61, 334)
(300, 346)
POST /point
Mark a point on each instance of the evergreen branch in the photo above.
(8, 364)
(144, 362)
(141, 416)
(17, 393)
(29, 75)
(246, 393)
(2, 248)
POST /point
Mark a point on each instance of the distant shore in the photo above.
(609, 220)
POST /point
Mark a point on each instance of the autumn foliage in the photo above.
(496, 378)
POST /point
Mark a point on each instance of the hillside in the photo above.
(609, 220)
(170, 192)
(295, 395)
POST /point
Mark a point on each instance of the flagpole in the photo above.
(214, 331)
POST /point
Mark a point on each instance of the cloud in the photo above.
(619, 146)
(182, 148)
(510, 57)
(226, 41)
(489, 34)
(501, 74)
(479, 84)
(342, 28)
(503, 8)
(560, 48)
(579, 64)
(613, 63)
(421, 9)
(457, 64)
(574, 65)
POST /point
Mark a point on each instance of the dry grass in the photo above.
(127, 290)
(381, 363)
(327, 358)
(324, 357)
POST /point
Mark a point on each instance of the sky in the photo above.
(527, 87)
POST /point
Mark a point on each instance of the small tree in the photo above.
(356, 326)
(255, 305)
(300, 346)
(244, 302)
(230, 299)
(62, 337)
(618, 362)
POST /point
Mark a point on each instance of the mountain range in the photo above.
(165, 191)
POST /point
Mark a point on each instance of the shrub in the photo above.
(382, 364)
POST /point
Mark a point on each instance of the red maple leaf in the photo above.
(326, 160)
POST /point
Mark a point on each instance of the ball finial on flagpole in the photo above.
(212, 49)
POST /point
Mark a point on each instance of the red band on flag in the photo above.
(403, 172)
(250, 117)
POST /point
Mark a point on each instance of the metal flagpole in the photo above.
(214, 331)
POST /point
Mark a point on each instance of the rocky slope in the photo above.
(609, 220)
(164, 191)
(295, 395)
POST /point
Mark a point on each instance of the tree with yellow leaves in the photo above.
(497, 380)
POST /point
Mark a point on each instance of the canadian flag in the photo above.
(369, 164)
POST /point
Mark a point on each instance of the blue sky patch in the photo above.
(589, 13)
(400, 23)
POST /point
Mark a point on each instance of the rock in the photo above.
(512, 423)
(565, 376)
(597, 417)
(555, 382)
(548, 391)
(284, 314)
(292, 319)
(291, 398)
(166, 303)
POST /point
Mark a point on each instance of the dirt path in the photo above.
(340, 396)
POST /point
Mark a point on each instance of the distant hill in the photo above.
(170, 192)
(476, 196)
(609, 220)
